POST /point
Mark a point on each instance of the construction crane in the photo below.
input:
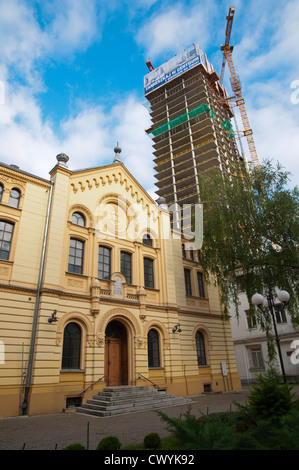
(236, 86)
(150, 67)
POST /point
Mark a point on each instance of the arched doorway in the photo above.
(116, 354)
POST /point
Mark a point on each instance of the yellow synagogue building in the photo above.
(96, 289)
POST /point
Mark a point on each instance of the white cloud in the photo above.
(88, 138)
(27, 45)
(175, 28)
(132, 120)
(75, 24)
(266, 59)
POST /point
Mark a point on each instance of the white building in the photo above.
(251, 345)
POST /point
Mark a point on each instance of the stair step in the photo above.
(131, 409)
(115, 400)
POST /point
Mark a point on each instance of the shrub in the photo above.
(206, 433)
(269, 398)
(109, 443)
(152, 441)
(74, 447)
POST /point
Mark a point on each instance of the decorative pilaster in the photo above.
(95, 291)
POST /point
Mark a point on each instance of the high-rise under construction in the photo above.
(191, 128)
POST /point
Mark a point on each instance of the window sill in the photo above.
(76, 274)
(6, 261)
(196, 297)
(62, 371)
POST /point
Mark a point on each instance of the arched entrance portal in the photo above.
(116, 354)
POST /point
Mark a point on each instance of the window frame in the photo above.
(12, 224)
(201, 285)
(153, 349)
(77, 348)
(103, 271)
(200, 343)
(256, 358)
(126, 268)
(149, 277)
(78, 215)
(188, 285)
(12, 198)
(147, 240)
(251, 320)
(1, 191)
(81, 265)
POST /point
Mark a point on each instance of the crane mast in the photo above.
(236, 86)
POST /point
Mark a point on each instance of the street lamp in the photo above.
(268, 304)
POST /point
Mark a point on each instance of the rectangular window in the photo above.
(280, 316)
(6, 231)
(257, 358)
(104, 263)
(188, 282)
(251, 320)
(201, 287)
(75, 264)
(126, 266)
(148, 273)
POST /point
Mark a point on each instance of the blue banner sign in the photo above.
(174, 67)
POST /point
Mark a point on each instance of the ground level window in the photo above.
(257, 358)
(153, 348)
(71, 346)
(200, 349)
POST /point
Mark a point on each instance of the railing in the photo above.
(153, 383)
(90, 386)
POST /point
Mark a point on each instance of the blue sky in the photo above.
(72, 72)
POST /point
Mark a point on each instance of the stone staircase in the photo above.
(129, 399)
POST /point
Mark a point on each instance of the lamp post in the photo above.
(268, 303)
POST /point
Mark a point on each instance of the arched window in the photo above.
(1, 191)
(14, 198)
(71, 353)
(6, 231)
(200, 349)
(146, 240)
(78, 219)
(153, 348)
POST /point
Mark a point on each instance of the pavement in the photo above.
(55, 431)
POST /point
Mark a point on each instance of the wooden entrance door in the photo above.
(116, 357)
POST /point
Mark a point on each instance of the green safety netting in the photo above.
(180, 119)
(228, 128)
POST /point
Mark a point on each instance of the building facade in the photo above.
(95, 290)
(191, 129)
(251, 347)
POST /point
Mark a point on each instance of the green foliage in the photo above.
(251, 234)
(205, 434)
(74, 447)
(270, 421)
(109, 443)
(152, 441)
(269, 398)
